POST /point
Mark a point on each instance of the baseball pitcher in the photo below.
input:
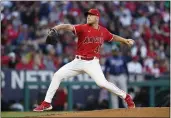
(90, 38)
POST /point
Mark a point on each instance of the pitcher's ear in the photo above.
(97, 18)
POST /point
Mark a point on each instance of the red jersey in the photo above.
(90, 39)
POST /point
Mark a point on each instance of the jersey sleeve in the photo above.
(108, 36)
(77, 29)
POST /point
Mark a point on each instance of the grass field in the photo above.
(137, 112)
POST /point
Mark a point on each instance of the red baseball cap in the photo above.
(93, 12)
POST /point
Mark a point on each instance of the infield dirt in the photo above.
(159, 112)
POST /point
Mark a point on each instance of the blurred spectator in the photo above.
(125, 17)
(24, 63)
(50, 61)
(103, 99)
(139, 49)
(164, 66)
(28, 14)
(16, 106)
(23, 34)
(103, 95)
(37, 62)
(160, 51)
(91, 103)
(104, 104)
(116, 71)
(155, 70)
(142, 19)
(60, 99)
(78, 107)
(135, 73)
(12, 34)
(146, 33)
(134, 67)
(140, 100)
(13, 60)
(151, 53)
(148, 64)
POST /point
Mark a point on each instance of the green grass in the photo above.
(27, 114)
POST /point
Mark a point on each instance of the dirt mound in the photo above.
(137, 112)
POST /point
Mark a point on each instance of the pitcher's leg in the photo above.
(95, 72)
(69, 70)
(56, 80)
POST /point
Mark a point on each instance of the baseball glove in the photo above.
(52, 37)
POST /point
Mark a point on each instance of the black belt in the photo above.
(84, 58)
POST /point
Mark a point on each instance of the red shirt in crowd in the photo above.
(21, 66)
(61, 97)
(11, 34)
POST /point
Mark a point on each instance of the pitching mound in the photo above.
(137, 112)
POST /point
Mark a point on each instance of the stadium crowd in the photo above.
(25, 25)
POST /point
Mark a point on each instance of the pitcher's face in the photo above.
(91, 19)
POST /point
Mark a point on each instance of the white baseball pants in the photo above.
(76, 67)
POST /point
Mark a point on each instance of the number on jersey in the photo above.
(97, 49)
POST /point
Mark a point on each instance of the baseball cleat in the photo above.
(129, 101)
(43, 107)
